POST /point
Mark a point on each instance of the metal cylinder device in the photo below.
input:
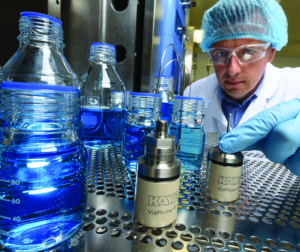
(157, 188)
(224, 173)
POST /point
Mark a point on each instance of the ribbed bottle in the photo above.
(40, 57)
(143, 112)
(187, 126)
(103, 100)
(42, 161)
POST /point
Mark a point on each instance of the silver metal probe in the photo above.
(229, 122)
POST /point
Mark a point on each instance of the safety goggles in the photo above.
(244, 54)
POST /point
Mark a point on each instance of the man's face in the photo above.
(239, 81)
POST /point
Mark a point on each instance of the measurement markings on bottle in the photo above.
(4, 217)
(14, 201)
(15, 218)
(5, 199)
(12, 181)
(5, 181)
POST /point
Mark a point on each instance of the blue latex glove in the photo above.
(275, 131)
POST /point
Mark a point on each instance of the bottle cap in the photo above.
(144, 94)
(178, 97)
(40, 15)
(102, 44)
(216, 155)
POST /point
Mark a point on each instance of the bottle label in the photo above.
(156, 202)
(223, 182)
(90, 101)
(192, 140)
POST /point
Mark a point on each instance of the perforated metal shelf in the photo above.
(266, 217)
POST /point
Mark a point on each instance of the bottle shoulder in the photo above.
(101, 77)
(36, 64)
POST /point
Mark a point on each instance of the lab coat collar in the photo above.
(214, 110)
(267, 90)
(267, 84)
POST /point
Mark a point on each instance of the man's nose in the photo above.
(233, 66)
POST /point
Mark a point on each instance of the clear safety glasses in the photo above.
(244, 54)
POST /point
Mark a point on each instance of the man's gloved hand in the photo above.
(275, 131)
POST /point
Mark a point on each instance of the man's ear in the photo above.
(272, 54)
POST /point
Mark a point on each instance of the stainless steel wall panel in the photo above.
(148, 45)
(119, 28)
(164, 24)
(81, 27)
(54, 8)
(141, 30)
(90, 21)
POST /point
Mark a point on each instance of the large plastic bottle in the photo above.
(43, 187)
(103, 100)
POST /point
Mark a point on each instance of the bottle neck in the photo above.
(188, 112)
(164, 83)
(102, 54)
(144, 110)
(40, 31)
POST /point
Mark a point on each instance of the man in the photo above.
(241, 38)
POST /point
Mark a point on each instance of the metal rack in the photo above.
(266, 217)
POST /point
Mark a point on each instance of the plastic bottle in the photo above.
(103, 100)
(187, 127)
(42, 160)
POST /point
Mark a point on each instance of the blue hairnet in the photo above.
(263, 20)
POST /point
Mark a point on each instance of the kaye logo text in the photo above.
(228, 180)
(165, 200)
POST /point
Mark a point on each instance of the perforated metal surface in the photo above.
(266, 217)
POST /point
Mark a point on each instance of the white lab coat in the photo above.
(279, 84)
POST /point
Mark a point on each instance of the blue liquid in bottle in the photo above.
(43, 189)
(187, 127)
(102, 128)
(134, 143)
(191, 148)
(144, 111)
(103, 100)
(166, 111)
(43, 166)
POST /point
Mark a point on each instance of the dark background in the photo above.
(9, 23)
